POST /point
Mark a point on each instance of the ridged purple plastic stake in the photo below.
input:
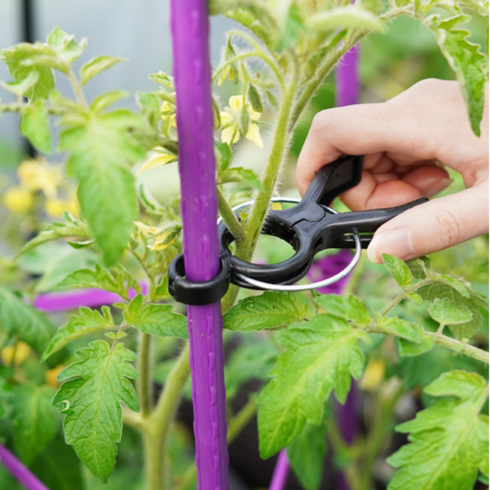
(348, 87)
(197, 167)
(19, 471)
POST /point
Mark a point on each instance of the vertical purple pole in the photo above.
(347, 93)
(197, 167)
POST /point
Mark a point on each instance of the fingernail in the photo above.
(397, 242)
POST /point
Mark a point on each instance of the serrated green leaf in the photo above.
(224, 155)
(268, 310)
(35, 126)
(350, 17)
(240, 174)
(88, 322)
(58, 467)
(108, 98)
(155, 319)
(34, 420)
(29, 324)
(68, 49)
(14, 58)
(415, 298)
(100, 148)
(248, 362)
(419, 267)
(321, 356)
(96, 66)
(401, 328)
(408, 348)
(150, 106)
(306, 455)
(448, 441)
(467, 62)
(398, 269)
(444, 311)
(69, 228)
(91, 395)
(350, 309)
(446, 290)
(87, 278)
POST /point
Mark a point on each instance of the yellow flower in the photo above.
(145, 229)
(373, 375)
(55, 207)
(167, 111)
(164, 241)
(39, 175)
(18, 199)
(21, 351)
(230, 121)
(51, 375)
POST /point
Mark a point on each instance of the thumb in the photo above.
(435, 225)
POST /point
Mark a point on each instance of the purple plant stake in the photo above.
(197, 166)
(19, 471)
(348, 87)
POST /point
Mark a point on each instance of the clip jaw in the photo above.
(307, 226)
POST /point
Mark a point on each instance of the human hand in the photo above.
(403, 140)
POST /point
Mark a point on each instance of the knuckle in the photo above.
(321, 122)
(449, 228)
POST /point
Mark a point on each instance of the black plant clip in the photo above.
(307, 226)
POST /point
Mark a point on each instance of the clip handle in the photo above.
(334, 179)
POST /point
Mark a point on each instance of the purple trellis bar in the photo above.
(197, 167)
(19, 471)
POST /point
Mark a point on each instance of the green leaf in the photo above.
(321, 355)
(5, 398)
(272, 100)
(350, 309)
(108, 98)
(69, 228)
(419, 267)
(150, 107)
(91, 397)
(87, 278)
(100, 147)
(448, 441)
(88, 322)
(29, 324)
(58, 467)
(155, 319)
(240, 174)
(65, 46)
(269, 310)
(249, 361)
(255, 99)
(350, 17)
(444, 311)
(14, 58)
(401, 328)
(306, 455)
(467, 62)
(398, 269)
(415, 298)
(35, 126)
(23, 86)
(224, 155)
(34, 420)
(408, 348)
(97, 65)
(445, 290)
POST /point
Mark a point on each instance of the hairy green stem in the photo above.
(77, 89)
(404, 295)
(229, 217)
(459, 347)
(159, 423)
(144, 384)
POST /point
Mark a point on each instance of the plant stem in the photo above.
(144, 380)
(158, 424)
(241, 419)
(403, 296)
(459, 347)
(229, 217)
(77, 89)
(261, 204)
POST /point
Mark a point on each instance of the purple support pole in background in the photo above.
(19, 471)
(197, 167)
(280, 472)
(347, 93)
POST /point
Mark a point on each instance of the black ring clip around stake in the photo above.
(307, 227)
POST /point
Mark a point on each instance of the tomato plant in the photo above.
(430, 332)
